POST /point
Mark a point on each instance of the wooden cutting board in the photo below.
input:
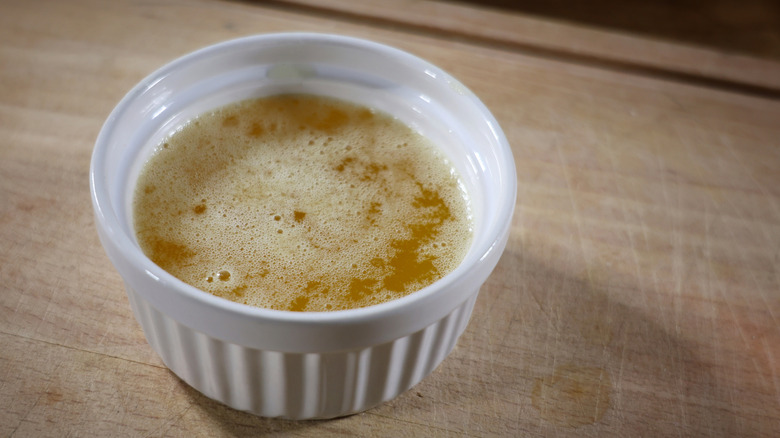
(639, 294)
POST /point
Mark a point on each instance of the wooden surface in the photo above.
(639, 294)
(738, 26)
(576, 43)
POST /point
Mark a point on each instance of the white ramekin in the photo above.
(310, 364)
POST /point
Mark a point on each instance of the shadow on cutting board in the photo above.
(571, 353)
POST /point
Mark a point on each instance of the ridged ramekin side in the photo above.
(299, 385)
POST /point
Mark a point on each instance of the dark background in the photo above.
(750, 27)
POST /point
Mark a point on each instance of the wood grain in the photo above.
(512, 29)
(639, 294)
(750, 27)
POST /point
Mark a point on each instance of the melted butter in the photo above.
(301, 203)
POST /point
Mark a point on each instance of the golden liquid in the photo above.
(301, 203)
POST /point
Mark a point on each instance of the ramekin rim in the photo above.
(107, 218)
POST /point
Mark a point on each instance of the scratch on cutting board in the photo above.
(634, 253)
(572, 396)
(170, 422)
(575, 210)
(740, 251)
(767, 198)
